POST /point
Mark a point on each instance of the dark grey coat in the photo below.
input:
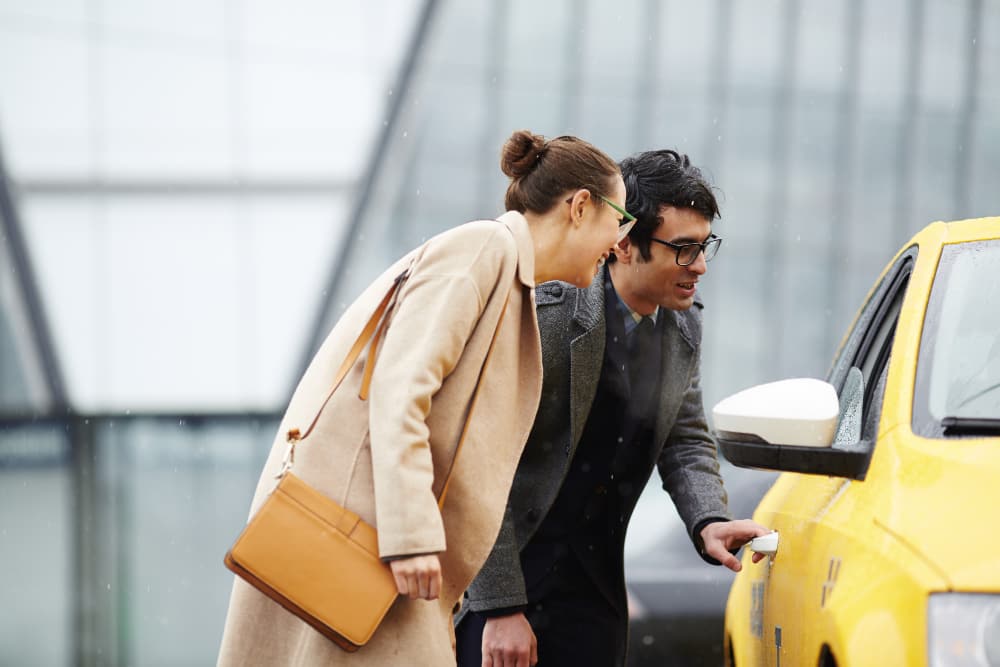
(572, 324)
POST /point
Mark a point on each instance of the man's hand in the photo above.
(418, 577)
(508, 641)
(721, 536)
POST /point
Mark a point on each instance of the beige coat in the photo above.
(402, 440)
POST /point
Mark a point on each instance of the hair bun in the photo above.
(520, 153)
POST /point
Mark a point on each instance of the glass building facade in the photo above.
(833, 132)
(193, 192)
(175, 181)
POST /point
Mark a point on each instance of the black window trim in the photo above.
(857, 345)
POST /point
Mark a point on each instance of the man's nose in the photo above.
(699, 265)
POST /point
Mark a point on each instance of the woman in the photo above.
(563, 218)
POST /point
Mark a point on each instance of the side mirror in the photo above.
(796, 425)
(800, 412)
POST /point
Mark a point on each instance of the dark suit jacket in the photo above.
(572, 324)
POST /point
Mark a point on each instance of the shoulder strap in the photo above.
(373, 331)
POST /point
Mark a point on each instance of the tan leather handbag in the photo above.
(311, 555)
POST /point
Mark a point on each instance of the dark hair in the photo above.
(662, 178)
(541, 171)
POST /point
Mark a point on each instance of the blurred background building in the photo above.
(191, 193)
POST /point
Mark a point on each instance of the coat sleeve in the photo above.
(500, 582)
(689, 464)
(439, 308)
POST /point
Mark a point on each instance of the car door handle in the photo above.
(765, 544)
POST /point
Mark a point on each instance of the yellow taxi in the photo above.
(887, 513)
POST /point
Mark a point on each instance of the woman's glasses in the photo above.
(627, 221)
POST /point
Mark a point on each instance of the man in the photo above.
(621, 395)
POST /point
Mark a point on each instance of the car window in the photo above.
(873, 409)
(873, 357)
(869, 343)
(873, 326)
(958, 367)
(866, 358)
(851, 405)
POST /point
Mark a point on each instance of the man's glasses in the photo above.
(628, 220)
(687, 253)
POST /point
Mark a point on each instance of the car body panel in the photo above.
(955, 482)
(857, 559)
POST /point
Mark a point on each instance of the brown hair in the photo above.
(541, 170)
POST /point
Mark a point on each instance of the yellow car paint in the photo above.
(857, 559)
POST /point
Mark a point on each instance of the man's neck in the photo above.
(623, 287)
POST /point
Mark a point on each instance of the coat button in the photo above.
(557, 290)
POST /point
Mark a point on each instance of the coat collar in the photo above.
(589, 310)
(586, 354)
(518, 226)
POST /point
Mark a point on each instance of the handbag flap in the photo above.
(349, 523)
(298, 546)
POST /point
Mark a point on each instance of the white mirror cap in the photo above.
(801, 411)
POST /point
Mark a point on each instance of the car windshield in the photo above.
(958, 372)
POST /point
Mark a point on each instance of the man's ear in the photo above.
(625, 250)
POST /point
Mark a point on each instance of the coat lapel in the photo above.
(586, 354)
(678, 355)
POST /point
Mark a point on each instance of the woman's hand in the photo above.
(418, 577)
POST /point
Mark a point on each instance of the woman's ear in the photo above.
(578, 205)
